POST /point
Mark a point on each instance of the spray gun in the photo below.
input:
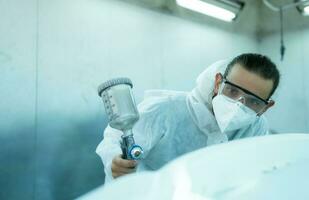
(122, 113)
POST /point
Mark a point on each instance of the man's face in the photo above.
(249, 81)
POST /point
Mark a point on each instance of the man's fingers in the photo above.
(124, 163)
(122, 166)
(118, 172)
(116, 168)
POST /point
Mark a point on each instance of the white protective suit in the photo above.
(174, 123)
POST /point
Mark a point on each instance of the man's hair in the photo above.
(258, 64)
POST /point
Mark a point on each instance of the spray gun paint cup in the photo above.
(122, 113)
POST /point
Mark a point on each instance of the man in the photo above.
(227, 104)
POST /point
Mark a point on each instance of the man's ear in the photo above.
(218, 80)
(270, 104)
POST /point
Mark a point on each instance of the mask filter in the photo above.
(232, 115)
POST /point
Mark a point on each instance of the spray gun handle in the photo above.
(124, 150)
(130, 150)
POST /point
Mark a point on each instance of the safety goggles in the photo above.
(246, 97)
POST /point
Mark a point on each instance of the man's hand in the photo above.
(122, 166)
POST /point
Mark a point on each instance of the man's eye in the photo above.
(254, 102)
(233, 91)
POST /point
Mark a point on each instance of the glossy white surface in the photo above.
(271, 167)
